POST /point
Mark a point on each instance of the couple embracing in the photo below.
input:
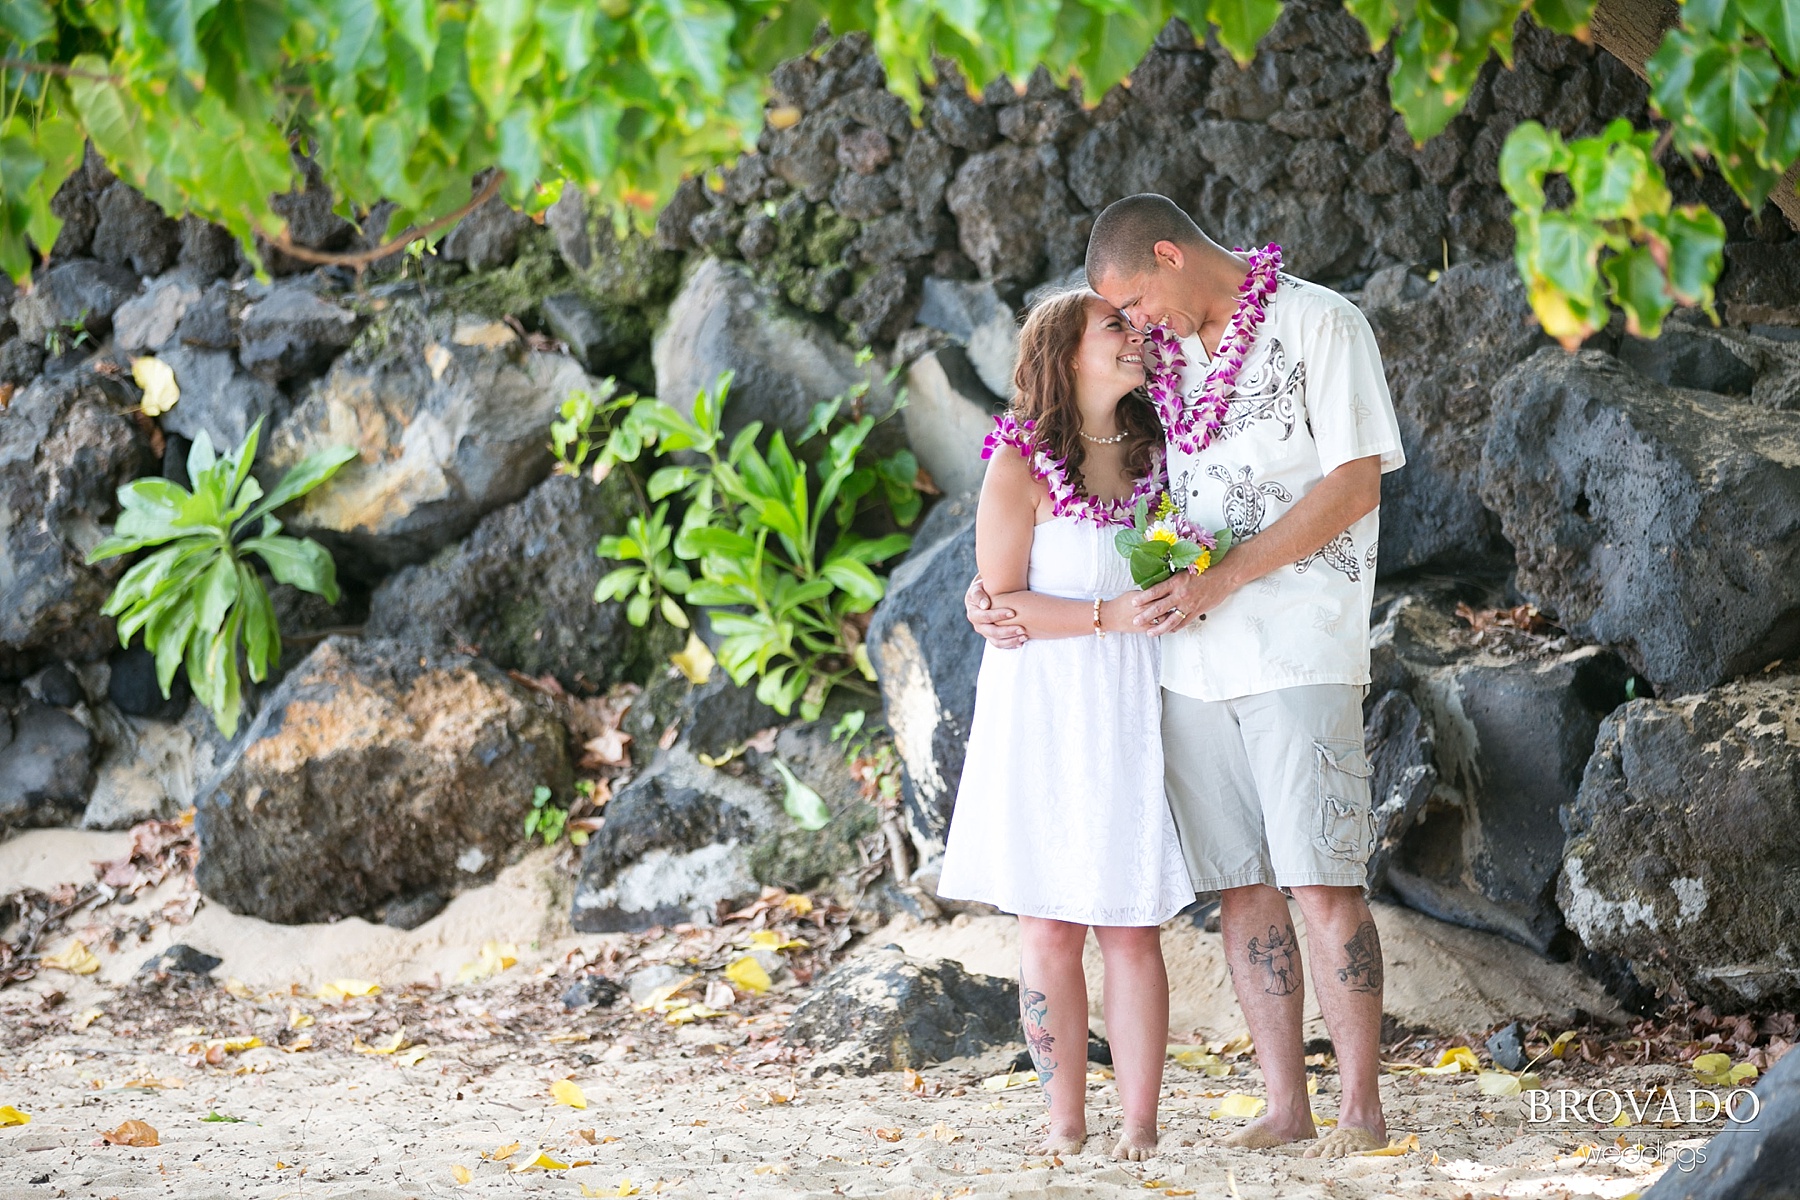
(1131, 748)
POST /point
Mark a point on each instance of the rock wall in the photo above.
(1634, 493)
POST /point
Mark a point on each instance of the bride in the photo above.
(1060, 816)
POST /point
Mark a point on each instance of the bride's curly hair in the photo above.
(1044, 389)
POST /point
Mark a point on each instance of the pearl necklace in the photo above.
(1065, 501)
(1114, 440)
(1191, 427)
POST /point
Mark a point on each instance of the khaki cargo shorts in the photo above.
(1270, 788)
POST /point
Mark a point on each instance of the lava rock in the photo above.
(783, 364)
(927, 655)
(1682, 844)
(293, 333)
(66, 446)
(1507, 1047)
(57, 686)
(74, 298)
(882, 307)
(1689, 359)
(998, 198)
(948, 413)
(487, 238)
(181, 959)
(147, 322)
(974, 315)
(134, 232)
(592, 991)
(1748, 1159)
(207, 250)
(603, 338)
(521, 587)
(1654, 519)
(217, 398)
(375, 771)
(1510, 735)
(46, 768)
(413, 911)
(145, 771)
(133, 688)
(1761, 284)
(1444, 353)
(887, 1011)
(440, 448)
(677, 841)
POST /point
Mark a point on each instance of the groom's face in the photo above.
(1155, 297)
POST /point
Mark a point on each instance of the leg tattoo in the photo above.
(1034, 1009)
(1362, 970)
(1280, 959)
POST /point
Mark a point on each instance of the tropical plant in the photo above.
(784, 574)
(199, 598)
(200, 104)
(546, 820)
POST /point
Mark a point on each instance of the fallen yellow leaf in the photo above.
(502, 1153)
(1241, 1044)
(695, 660)
(1394, 1149)
(413, 1056)
(85, 1018)
(1455, 1061)
(390, 1046)
(889, 1134)
(663, 998)
(235, 1045)
(236, 987)
(1561, 1043)
(460, 1173)
(748, 974)
(768, 939)
(12, 1116)
(683, 1014)
(624, 1188)
(303, 1042)
(771, 1169)
(566, 1091)
(157, 379)
(298, 1019)
(797, 904)
(132, 1133)
(75, 958)
(1237, 1104)
(495, 958)
(941, 1132)
(344, 989)
(1621, 1121)
(1202, 1060)
(1497, 1083)
(1012, 1079)
(542, 1162)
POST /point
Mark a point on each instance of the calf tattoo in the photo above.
(1279, 958)
(1361, 971)
(1034, 1010)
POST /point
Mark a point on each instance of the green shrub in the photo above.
(198, 598)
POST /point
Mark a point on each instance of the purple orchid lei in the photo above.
(1065, 499)
(1191, 428)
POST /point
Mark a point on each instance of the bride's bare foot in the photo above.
(1058, 1142)
(1346, 1139)
(1135, 1144)
(1265, 1132)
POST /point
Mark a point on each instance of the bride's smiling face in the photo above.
(1111, 353)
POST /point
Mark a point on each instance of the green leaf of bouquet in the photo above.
(1127, 540)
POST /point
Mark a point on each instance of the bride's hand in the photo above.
(991, 622)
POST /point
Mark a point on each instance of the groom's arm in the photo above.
(1337, 502)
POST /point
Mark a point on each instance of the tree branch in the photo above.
(22, 64)
(1631, 30)
(362, 258)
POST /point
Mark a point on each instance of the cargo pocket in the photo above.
(1346, 827)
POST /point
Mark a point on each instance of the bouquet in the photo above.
(1160, 542)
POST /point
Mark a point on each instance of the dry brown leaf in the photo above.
(889, 1134)
(132, 1133)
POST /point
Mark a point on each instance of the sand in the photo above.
(716, 1108)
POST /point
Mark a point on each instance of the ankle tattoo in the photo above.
(1034, 1010)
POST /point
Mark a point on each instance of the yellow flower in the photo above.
(1203, 562)
(1165, 536)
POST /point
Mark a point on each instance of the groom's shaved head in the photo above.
(1123, 243)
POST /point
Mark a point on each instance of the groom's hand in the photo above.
(991, 622)
(1177, 601)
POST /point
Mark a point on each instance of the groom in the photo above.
(1265, 657)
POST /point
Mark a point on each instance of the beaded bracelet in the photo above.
(1098, 632)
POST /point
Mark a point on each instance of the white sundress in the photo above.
(1061, 811)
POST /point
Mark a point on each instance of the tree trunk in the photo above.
(1631, 30)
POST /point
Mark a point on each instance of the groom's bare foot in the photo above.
(1135, 1144)
(1347, 1139)
(1060, 1141)
(1267, 1131)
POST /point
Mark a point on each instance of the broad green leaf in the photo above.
(686, 39)
(672, 612)
(218, 592)
(802, 803)
(1639, 289)
(637, 610)
(300, 562)
(1696, 239)
(617, 584)
(262, 637)
(176, 23)
(1779, 23)
(26, 22)
(1530, 152)
(1564, 16)
(312, 471)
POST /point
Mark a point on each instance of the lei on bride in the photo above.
(1191, 427)
(1065, 499)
